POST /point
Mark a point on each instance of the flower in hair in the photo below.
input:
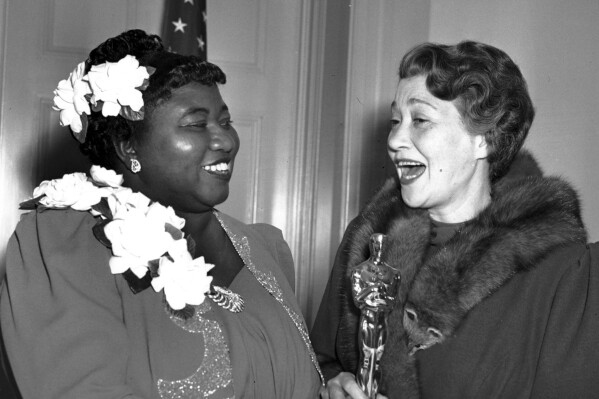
(112, 87)
(70, 100)
(116, 83)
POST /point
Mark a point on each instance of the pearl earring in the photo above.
(135, 165)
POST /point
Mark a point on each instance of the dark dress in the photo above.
(74, 330)
(536, 335)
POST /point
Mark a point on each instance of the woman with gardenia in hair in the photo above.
(128, 282)
(499, 292)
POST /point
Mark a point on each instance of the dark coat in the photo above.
(508, 308)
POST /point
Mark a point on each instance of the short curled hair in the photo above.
(172, 71)
(490, 92)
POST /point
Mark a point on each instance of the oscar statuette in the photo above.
(374, 288)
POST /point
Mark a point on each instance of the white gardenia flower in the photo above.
(138, 233)
(69, 99)
(41, 189)
(167, 214)
(72, 190)
(184, 280)
(115, 84)
(136, 240)
(124, 201)
(105, 177)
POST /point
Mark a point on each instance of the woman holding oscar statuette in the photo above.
(499, 290)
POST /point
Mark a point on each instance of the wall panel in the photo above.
(245, 23)
(92, 21)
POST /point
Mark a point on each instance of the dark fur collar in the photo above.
(528, 217)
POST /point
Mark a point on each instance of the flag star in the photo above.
(201, 43)
(179, 25)
(188, 1)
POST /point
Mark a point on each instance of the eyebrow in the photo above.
(414, 100)
(202, 110)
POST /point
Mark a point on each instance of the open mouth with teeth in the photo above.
(218, 168)
(409, 171)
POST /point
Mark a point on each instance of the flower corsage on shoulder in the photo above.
(148, 245)
(146, 238)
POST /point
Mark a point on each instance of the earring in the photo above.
(135, 165)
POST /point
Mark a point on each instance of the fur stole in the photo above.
(528, 217)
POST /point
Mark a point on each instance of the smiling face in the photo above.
(441, 166)
(187, 150)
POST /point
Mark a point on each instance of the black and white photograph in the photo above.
(299, 199)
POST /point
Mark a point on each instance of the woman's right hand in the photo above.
(344, 386)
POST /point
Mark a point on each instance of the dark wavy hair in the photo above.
(172, 71)
(487, 88)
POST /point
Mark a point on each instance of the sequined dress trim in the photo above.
(215, 372)
(269, 282)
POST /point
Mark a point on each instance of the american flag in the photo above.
(184, 27)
